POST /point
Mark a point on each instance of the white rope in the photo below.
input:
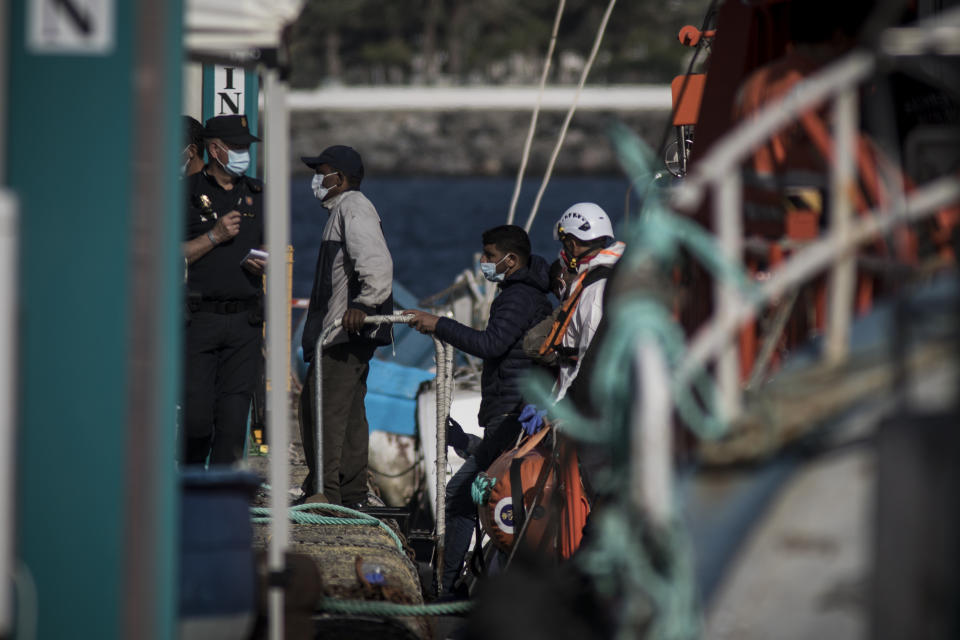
(444, 391)
(536, 112)
(573, 108)
(318, 387)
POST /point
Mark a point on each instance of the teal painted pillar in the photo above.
(92, 148)
(233, 91)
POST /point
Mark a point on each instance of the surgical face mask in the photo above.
(319, 190)
(489, 270)
(237, 162)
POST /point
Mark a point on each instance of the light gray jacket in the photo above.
(354, 270)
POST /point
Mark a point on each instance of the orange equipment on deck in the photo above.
(754, 61)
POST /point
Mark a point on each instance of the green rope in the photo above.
(300, 514)
(658, 564)
(393, 609)
(481, 488)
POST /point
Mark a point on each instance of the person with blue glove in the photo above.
(523, 283)
(531, 419)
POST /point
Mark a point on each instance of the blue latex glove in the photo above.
(531, 419)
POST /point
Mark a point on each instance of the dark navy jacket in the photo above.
(521, 303)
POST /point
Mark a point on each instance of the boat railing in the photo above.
(718, 177)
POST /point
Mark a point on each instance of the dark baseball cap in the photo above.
(342, 158)
(230, 129)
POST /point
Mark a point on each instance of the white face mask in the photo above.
(319, 190)
(489, 270)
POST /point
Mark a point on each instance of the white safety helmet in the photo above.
(584, 221)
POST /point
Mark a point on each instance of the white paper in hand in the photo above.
(254, 253)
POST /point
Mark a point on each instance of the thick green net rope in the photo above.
(303, 514)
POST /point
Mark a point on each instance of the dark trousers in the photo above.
(222, 363)
(345, 432)
(461, 511)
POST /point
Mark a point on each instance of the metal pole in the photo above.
(318, 414)
(843, 275)
(277, 174)
(9, 273)
(728, 225)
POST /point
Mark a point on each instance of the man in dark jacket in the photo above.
(521, 303)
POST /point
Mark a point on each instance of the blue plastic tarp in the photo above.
(392, 396)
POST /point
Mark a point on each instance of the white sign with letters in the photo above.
(71, 26)
(228, 87)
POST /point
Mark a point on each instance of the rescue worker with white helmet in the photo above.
(589, 251)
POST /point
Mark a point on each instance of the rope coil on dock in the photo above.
(301, 514)
(393, 609)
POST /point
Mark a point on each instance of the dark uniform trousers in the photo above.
(223, 354)
(345, 431)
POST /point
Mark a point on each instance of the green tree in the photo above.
(363, 41)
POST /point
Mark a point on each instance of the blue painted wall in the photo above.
(70, 160)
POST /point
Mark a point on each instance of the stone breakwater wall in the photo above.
(468, 142)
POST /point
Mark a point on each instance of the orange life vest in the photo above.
(554, 339)
(540, 487)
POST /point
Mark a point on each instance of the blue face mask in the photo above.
(489, 270)
(237, 162)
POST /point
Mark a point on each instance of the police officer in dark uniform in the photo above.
(223, 358)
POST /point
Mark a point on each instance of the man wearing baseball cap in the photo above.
(222, 363)
(353, 279)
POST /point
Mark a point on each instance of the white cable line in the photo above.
(573, 108)
(536, 113)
